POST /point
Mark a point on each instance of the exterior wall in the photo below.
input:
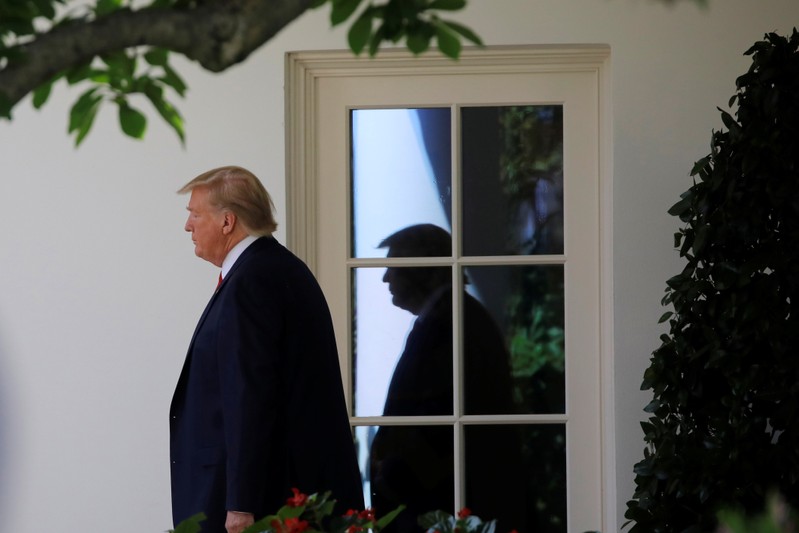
(100, 289)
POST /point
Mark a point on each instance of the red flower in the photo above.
(463, 513)
(291, 525)
(351, 512)
(298, 500)
(367, 514)
(295, 525)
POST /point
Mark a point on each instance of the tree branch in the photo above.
(217, 35)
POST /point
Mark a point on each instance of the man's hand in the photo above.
(237, 522)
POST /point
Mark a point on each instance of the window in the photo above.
(452, 212)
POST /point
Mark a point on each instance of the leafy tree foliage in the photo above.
(724, 425)
(118, 53)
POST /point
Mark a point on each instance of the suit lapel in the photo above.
(258, 244)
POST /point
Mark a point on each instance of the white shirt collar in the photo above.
(235, 253)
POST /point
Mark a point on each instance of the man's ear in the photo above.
(228, 222)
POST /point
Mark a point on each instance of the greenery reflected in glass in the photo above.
(528, 462)
(536, 340)
(527, 303)
(531, 171)
(512, 173)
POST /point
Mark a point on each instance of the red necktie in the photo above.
(218, 283)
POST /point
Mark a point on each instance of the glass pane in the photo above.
(411, 465)
(512, 167)
(517, 475)
(401, 173)
(487, 389)
(402, 341)
(526, 302)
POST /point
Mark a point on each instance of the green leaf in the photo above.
(361, 30)
(167, 112)
(681, 207)
(86, 120)
(652, 406)
(342, 9)
(120, 64)
(172, 79)
(436, 520)
(700, 165)
(157, 56)
(728, 120)
(5, 107)
(77, 113)
(99, 76)
(79, 73)
(46, 8)
(700, 238)
(375, 40)
(448, 42)
(41, 94)
(189, 525)
(447, 5)
(264, 524)
(133, 121)
(387, 518)
(418, 40)
(465, 32)
(104, 7)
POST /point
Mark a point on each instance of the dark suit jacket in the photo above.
(259, 405)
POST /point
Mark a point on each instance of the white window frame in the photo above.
(303, 72)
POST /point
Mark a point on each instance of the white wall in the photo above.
(100, 291)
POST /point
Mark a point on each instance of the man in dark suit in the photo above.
(259, 406)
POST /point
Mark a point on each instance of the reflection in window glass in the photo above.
(511, 317)
(402, 352)
(378, 336)
(512, 167)
(487, 375)
(517, 474)
(527, 303)
(411, 465)
(401, 173)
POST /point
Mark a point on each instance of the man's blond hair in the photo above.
(239, 191)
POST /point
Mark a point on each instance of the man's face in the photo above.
(401, 291)
(205, 223)
(408, 287)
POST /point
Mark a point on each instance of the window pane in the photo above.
(401, 173)
(378, 335)
(517, 475)
(527, 304)
(402, 341)
(411, 465)
(487, 387)
(512, 167)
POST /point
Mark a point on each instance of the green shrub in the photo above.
(724, 427)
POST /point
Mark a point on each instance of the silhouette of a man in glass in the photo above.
(413, 465)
